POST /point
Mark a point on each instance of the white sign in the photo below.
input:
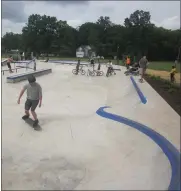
(79, 54)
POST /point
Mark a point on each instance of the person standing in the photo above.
(143, 66)
(77, 67)
(34, 67)
(92, 63)
(23, 56)
(128, 61)
(172, 74)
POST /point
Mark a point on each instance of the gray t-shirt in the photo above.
(143, 63)
(34, 91)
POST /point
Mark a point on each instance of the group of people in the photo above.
(138, 67)
(92, 63)
(141, 67)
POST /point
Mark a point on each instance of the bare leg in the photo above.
(27, 112)
(34, 115)
(141, 74)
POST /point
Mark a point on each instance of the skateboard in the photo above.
(30, 122)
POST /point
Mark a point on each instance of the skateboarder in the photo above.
(10, 59)
(34, 96)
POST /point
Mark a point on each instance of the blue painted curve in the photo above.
(140, 94)
(170, 151)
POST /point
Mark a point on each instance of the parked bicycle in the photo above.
(99, 73)
(91, 73)
(80, 71)
(110, 71)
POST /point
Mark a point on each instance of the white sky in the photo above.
(15, 13)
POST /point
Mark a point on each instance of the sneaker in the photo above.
(35, 123)
(25, 117)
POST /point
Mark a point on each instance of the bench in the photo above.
(23, 76)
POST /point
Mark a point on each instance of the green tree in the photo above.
(11, 41)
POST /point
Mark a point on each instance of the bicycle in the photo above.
(110, 72)
(99, 73)
(91, 73)
(80, 71)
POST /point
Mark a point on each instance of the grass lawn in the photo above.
(162, 66)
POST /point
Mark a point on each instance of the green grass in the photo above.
(163, 66)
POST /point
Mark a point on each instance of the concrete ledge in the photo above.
(68, 62)
(23, 76)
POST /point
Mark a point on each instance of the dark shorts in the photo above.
(31, 104)
(9, 65)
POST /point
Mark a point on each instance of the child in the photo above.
(172, 74)
(92, 63)
(34, 96)
(128, 62)
(9, 64)
(77, 67)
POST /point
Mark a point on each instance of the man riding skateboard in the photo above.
(34, 96)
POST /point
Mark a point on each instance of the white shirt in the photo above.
(109, 64)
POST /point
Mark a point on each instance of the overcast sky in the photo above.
(15, 13)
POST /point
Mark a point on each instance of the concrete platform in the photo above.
(80, 148)
(23, 76)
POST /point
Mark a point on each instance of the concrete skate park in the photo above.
(98, 133)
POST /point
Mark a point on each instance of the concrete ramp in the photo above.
(84, 146)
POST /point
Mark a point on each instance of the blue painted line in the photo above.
(142, 97)
(170, 151)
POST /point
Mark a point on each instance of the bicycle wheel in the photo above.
(83, 72)
(74, 71)
(91, 73)
(100, 73)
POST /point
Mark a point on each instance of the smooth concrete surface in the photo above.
(78, 149)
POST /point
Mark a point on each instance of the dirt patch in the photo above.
(163, 74)
(171, 94)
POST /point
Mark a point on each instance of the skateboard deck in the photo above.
(30, 122)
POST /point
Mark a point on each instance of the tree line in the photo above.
(137, 37)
